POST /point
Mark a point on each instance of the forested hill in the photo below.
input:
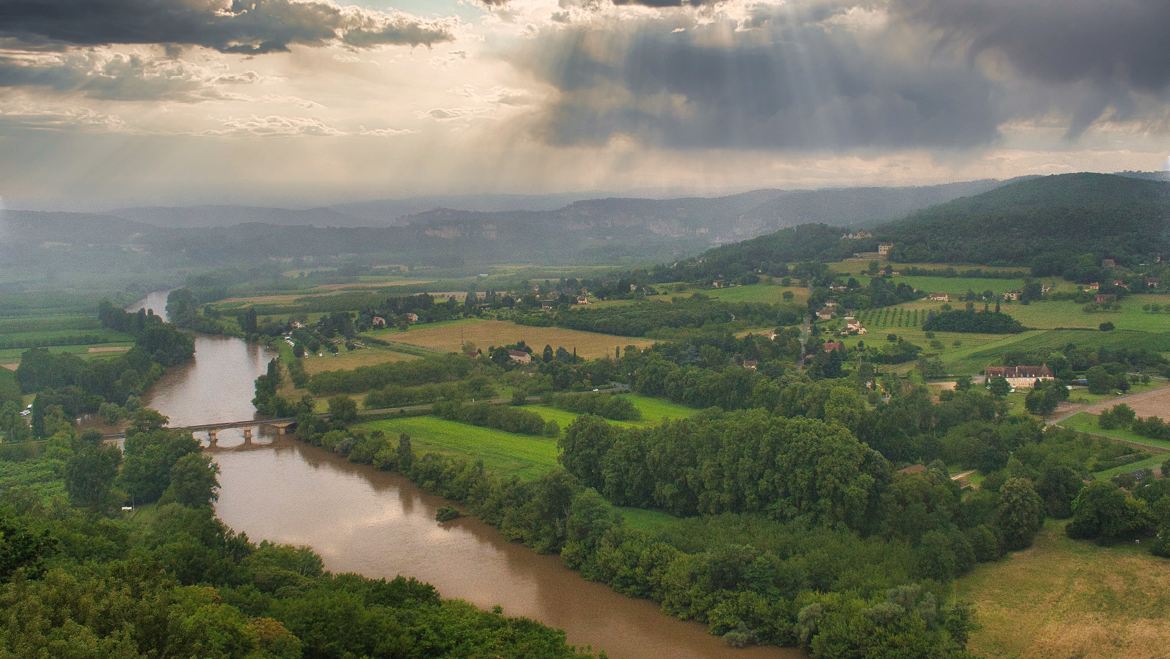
(1047, 223)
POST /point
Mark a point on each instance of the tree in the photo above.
(1105, 512)
(90, 475)
(1019, 513)
(583, 448)
(194, 481)
(999, 387)
(1058, 485)
(405, 454)
(343, 409)
(1118, 416)
(1043, 399)
(147, 461)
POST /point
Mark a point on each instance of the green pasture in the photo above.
(505, 454)
(1087, 423)
(654, 411)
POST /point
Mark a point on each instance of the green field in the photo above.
(1087, 423)
(960, 285)
(654, 411)
(760, 293)
(503, 453)
(509, 454)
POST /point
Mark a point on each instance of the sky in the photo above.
(300, 102)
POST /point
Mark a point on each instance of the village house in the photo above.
(378, 322)
(1020, 377)
(1153, 282)
(412, 318)
(825, 314)
(1108, 263)
(884, 249)
(830, 346)
(1045, 289)
(751, 364)
(859, 235)
(520, 357)
(582, 299)
(1093, 286)
(853, 327)
(1011, 296)
(939, 297)
(1120, 283)
(296, 324)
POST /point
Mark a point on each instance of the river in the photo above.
(380, 525)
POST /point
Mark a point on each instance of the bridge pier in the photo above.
(212, 437)
(247, 435)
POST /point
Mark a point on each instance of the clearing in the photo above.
(527, 457)
(1066, 598)
(449, 337)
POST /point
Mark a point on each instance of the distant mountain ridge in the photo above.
(548, 229)
(1052, 219)
(1063, 225)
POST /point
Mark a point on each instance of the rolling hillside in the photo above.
(1046, 223)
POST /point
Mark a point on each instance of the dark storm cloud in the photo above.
(230, 26)
(794, 80)
(1115, 52)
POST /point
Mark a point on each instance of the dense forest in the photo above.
(1049, 224)
(79, 579)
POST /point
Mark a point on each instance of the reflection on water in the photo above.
(380, 525)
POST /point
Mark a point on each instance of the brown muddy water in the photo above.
(380, 525)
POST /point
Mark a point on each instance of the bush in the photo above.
(447, 513)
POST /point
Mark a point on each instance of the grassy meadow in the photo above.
(1066, 598)
(506, 454)
(654, 411)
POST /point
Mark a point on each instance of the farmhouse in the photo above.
(884, 249)
(1020, 377)
(1011, 296)
(830, 346)
(1153, 282)
(853, 326)
(1093, 286)
(581, 299)
(751, 364)
(520, 357)
(378, 321)
(412, 318)
(825, 314)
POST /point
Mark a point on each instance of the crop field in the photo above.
(503, 453)
(448, 337)
(654, 411)
(349, 360)
(763, 293)
(61, 328)
(960, 285)
(1066, 598)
